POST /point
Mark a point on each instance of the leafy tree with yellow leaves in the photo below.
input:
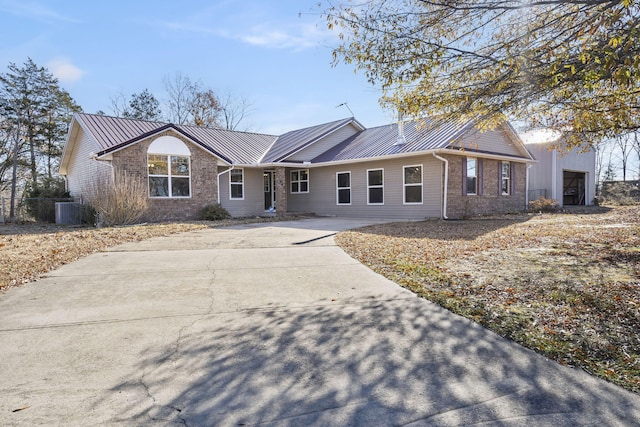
(573, 66)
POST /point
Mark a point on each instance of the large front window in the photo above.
(413, 184)
(169, 176)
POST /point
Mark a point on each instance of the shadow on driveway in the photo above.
(394, 362)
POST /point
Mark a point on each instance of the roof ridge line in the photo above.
(226, 130)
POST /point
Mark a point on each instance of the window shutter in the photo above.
(499, 177)
(464, 176)
(479, 175)
(513, 178)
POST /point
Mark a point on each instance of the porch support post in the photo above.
(281, 191)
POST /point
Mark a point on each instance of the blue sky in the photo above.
(276, 54)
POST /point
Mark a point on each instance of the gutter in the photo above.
(493, 156)
(218, 179)
(446, 184)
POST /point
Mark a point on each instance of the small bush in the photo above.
(214, 213)
(121, 200)
(89, 215)
(543, 205)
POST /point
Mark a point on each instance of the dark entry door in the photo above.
(269, 194)
(573, 188)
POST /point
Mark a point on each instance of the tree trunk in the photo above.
(14, 176)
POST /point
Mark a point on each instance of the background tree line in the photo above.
(186, 102)
(35, 114)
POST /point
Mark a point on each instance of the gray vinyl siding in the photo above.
(541, 173)
(492, 141)
(253, 203)
(324, 144)
(321, 198)
(81, 168)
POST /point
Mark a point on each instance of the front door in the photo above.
(269, 193)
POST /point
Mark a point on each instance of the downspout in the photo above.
(446, 184)
(554, 176)
(218, 178)
(526, 188)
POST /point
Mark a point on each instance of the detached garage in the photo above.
(569, 178)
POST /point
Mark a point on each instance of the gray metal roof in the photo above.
(245, 148)
(381, 141)
(113, 133)
(109, 131)
(241, 147)
(294, 141)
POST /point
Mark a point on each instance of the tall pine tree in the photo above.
(35, 112)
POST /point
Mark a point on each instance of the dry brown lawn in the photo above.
(566, 285)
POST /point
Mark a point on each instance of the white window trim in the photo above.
(405, 185)
(236, 183)
(503, 179)
(375, 186)
(343, 188)
(475, 192)
(168, 176)
(299, 181)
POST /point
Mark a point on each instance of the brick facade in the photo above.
(281, 191)
(204, 182)
(489, 200)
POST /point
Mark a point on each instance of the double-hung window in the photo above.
(412, 182)
(375, 186)
(300, 181)
(472, 176)
(236, 184)
(169, 176)
(343, 188)
(505, 178)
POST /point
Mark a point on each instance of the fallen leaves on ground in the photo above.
(566, 285)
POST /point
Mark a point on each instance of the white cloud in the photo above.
(65, 71)
(268, 35)
(297, 37)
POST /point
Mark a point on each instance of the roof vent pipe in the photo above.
(401, 140)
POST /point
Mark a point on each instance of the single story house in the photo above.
(569, 177)
(406, 170)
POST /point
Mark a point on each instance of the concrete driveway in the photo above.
(263, 325)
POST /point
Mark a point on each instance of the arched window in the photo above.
(169, 166)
